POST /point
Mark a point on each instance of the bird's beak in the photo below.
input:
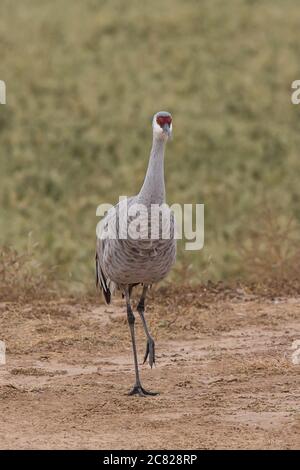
(167, 130)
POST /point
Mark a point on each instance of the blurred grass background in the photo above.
(84, 79)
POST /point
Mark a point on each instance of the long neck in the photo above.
(153, 189)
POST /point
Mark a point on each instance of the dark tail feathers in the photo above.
(101, 281)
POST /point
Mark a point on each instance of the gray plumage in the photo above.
(124, 263)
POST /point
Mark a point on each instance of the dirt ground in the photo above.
(224, 373)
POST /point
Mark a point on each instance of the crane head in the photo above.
(162, 125)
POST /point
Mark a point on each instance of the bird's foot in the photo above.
(150, 352)
(139, 390)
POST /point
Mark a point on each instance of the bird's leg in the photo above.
(137, 389)
(150, 348)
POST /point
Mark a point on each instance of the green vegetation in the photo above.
(83, 81)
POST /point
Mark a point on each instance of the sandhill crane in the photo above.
(123, 263)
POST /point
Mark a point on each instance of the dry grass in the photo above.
(256, 366)
(23, 276)
(83, 82)
(272, 254)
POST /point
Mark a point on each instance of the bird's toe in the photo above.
(140, 391)
(150, 352)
